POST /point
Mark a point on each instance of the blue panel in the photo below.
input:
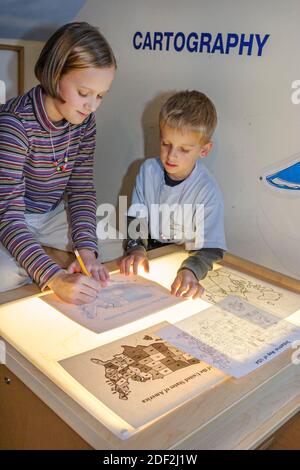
(288, 178)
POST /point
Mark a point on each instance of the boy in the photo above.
(178, 179)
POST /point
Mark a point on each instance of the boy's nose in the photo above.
(172, 153)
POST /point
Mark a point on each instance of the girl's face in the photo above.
(82, 91)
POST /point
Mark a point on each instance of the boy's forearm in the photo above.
(201, 261)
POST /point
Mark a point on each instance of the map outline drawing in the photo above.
(225, 281)
(232, 335)
(124, 300)
(167, 378)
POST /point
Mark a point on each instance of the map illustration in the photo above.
(233, 335)
(222, 282)
(141, 363)
(141, 376)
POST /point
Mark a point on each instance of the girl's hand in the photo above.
(133, 260)
(186, 285)
(98, 271)
(74, 288)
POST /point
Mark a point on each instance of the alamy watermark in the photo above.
(295, 97)
(2, 92)
(2, 352)
(167, 222)
(296, 354)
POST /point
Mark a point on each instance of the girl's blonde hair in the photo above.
(191, 110)
(73, 46)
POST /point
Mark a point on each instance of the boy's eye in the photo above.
(184, 150)
(82, 94)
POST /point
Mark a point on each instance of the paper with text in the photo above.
(233, 335)
(141, 377)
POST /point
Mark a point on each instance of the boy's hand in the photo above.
(133, 260)
(74, 288)
(97, 270)
(186, 285)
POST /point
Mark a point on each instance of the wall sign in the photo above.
(204, 43)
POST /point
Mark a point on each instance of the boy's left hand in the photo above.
(98, 271)
(186, 285)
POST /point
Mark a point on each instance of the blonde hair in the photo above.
(73, 46)
(191, 110)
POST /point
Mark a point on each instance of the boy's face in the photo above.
(179, 151)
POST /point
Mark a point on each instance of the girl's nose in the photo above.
(91, 105)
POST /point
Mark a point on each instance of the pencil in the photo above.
(82, 265)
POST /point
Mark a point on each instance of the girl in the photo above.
(47, 142)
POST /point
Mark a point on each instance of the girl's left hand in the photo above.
(98, 271)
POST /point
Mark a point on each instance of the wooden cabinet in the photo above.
(27, 423)
(287, 437)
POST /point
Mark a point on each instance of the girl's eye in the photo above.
(184, 150)
(82, 94)
(99, 97)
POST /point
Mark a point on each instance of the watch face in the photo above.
(132, 244)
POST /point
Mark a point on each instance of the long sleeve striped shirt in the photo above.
(29, 182)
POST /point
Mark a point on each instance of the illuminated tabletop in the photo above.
(234, 413)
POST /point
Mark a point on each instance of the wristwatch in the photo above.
(132, 244)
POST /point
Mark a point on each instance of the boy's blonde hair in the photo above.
(190, 110)
(73, 46)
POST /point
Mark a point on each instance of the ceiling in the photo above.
(35, 19)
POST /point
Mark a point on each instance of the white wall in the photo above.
(31, 52)
(258, 124)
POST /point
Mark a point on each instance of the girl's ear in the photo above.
(205, 149)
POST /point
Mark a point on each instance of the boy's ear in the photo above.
(205, 149)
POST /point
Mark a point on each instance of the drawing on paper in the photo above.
(225, 281)
(124, 300)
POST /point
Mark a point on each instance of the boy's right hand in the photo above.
(133, 260)
(74, 288)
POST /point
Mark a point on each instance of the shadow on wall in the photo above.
(150, 126)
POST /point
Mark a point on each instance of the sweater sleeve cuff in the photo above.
(48, 275)
(88, 245)
(196, 270)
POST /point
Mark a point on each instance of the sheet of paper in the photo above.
(140, 377)
(125, 300)
(222, 282)
(233, 335)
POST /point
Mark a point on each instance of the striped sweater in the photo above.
(30, 182)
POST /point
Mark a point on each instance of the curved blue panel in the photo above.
(288, 178)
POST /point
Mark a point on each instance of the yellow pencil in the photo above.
(82, 265)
